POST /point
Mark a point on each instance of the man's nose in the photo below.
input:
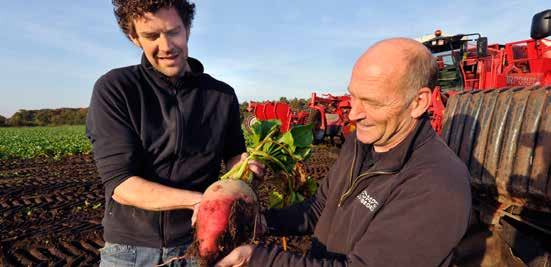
(356, 112)
(164, 43)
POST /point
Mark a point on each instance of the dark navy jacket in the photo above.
(409, 206)
(174, 133)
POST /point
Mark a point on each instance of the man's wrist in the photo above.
(267, 229)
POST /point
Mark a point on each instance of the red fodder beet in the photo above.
(225, 220)
(212, 220)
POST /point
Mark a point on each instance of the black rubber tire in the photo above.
(315, 118)
(248, 121)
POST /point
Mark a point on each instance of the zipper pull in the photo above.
(340, 202)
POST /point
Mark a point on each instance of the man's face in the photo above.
(163, 38)
(378, 107)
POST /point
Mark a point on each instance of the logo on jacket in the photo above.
(368, 201)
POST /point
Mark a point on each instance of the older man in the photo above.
(397, 196)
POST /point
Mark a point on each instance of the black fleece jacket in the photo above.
(174, 133)
(409, 206)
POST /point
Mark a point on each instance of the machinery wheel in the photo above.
(248, 121)
(315, 118)
(338, 140)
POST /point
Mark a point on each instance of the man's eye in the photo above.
(151, 37)
(373, 104)
(173, 33)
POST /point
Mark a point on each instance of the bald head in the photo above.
(405, 62)
(390, 91)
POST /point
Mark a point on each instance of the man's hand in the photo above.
(240, 256)
(261, 225)
(195, 211)
(255, 166)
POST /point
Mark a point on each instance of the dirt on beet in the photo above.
(51, 211)
(240, 231)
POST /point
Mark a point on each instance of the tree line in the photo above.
(46, 117)
(77, 116)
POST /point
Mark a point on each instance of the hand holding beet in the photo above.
(228, 214)
(240, 256)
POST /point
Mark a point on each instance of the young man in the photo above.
(159, 131)
(397, 195)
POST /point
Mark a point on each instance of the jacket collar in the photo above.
(188, 80)
(397, 157)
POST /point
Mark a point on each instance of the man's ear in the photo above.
(135, 40)
(188, 32)
(421, 102)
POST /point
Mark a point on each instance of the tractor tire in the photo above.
(314, 118)
(504, 137)
(248, 122)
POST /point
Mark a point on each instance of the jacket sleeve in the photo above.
(301, 218)
(275, 256)
(235, 142)
(416, 227)
(115, 144)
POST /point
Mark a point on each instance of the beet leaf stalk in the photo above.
(280, 153)
(229, 208)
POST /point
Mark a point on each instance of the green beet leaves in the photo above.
(279, 152)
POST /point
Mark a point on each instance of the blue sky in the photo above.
(51, 52)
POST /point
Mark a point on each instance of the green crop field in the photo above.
(30, 142)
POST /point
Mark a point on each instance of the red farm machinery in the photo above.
(328, 114)
(492, 106)
(275, 110)
(468, 63)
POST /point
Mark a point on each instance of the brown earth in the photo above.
(50, 214)
(50, 211)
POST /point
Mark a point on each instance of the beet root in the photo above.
(225, 220)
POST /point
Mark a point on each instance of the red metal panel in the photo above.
(283, 113)
(259, 112)
(269, 111)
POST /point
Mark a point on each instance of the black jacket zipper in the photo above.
(164, 214)
(354, 182)
(178, 125)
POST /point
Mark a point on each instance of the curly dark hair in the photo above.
(128, 10)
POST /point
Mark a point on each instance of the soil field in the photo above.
(50, 211)
(50, 215)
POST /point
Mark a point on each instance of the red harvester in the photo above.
(275, 110)
(329, 114)
(498, 121)
(468, 63)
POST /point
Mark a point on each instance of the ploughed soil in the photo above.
(50, 213)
